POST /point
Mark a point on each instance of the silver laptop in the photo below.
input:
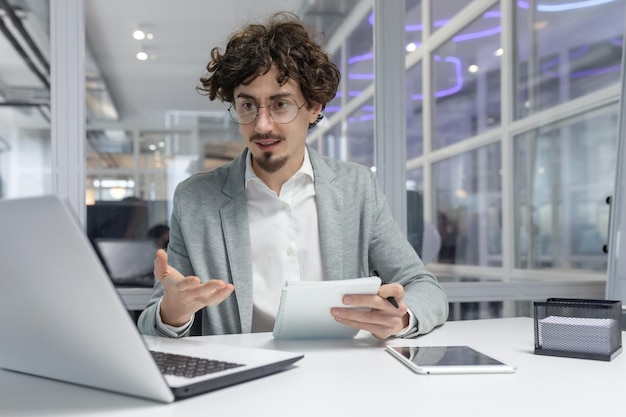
(61, 317)
(128, 262)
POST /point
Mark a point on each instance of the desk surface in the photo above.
(358, 378)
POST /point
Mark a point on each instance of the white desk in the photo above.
(358, 378)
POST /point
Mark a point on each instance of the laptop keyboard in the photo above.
(189, 366)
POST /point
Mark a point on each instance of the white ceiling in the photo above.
(141, 92)
(184, 33)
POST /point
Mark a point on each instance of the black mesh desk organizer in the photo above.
(578, 328)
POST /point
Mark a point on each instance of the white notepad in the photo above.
(304, 311)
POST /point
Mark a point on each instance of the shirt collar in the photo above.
(305, 169)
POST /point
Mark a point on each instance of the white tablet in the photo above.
(447, 360)
(304, 311)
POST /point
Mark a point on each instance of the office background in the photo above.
(492, 125)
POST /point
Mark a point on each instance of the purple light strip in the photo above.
(483, 33)
(442, 93)
(552, 8)
(357, 76)
(460, 38)
(359, 58)
(459, 77)
(476, 35)
(352, 93)
(545, 68)
(598, 71)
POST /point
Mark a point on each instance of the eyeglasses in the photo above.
(283, 110)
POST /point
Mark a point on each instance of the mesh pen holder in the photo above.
(577, 328)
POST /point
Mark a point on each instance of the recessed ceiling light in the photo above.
(139, 35)
(142, 56)
(473, 68)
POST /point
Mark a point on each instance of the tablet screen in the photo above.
(447, 359)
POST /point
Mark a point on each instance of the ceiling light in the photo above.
(142, 56)
(139, 35)
(473, 68)
(499, 52)
(117, 192)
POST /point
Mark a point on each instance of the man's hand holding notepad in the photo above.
(304, 311)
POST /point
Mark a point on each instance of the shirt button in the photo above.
(289, 251)
(284, 207)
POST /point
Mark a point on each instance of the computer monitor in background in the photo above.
(128, 262)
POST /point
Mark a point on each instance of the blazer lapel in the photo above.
(330, 206)
(234, 217)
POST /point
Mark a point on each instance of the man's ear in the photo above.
(315, 110)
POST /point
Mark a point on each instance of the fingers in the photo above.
(378, 301)
(394, 290)
(160, 264)
(380, 317)
(380, 323)
(207, 293)
(183, 297)
(173, 280)
(212, 292)
(382, 331)
(163, 270)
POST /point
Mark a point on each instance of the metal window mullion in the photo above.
(390, 104)
(428, 199)
(507, 106)
(616, 268)
(137, 190)
(67, 38)
(343, 127)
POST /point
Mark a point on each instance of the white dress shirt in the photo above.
(284, 238)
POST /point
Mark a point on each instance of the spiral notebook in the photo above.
(304, 311)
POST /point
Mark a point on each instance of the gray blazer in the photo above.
(210, 238)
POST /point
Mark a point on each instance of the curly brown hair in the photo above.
(284, 42)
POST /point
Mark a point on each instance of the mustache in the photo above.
(260, 136)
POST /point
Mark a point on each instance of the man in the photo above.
(280, 211)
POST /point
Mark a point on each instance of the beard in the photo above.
(268, 165)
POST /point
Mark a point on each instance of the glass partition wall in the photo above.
(25, 142)
(511, 128)
(511, 116)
